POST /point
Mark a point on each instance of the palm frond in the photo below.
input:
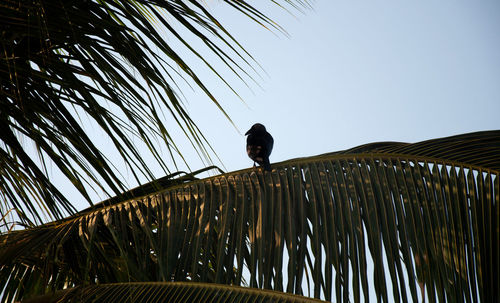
(177, 292)
(109, 62)
(455, 149)
(422, 218)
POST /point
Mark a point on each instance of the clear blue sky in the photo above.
(355, 72)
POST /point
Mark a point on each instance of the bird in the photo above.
(259, 145)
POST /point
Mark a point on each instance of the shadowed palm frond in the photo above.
(178, 292)
(311, 226)
(108, 64)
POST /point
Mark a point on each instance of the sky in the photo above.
(355, 72)
(348, 73)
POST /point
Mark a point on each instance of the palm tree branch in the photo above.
(431, 221)
(169, 292)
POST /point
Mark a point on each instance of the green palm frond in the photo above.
(113, 64)
(455, 149)
(417, 214)
(177, 292)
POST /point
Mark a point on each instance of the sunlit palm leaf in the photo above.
(416, 214)
(106, 62)
(177, 292)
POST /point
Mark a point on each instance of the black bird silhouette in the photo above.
(259, 145)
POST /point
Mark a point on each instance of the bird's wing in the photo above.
(270, 144)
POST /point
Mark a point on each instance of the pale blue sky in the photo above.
(354, 72)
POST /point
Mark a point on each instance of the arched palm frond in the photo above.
(178, 292)
(115, 65)
(380, 218)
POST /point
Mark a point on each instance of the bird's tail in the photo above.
(266, 164)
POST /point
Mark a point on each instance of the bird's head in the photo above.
(256, 128)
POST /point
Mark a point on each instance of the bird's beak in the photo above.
(246, 134)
